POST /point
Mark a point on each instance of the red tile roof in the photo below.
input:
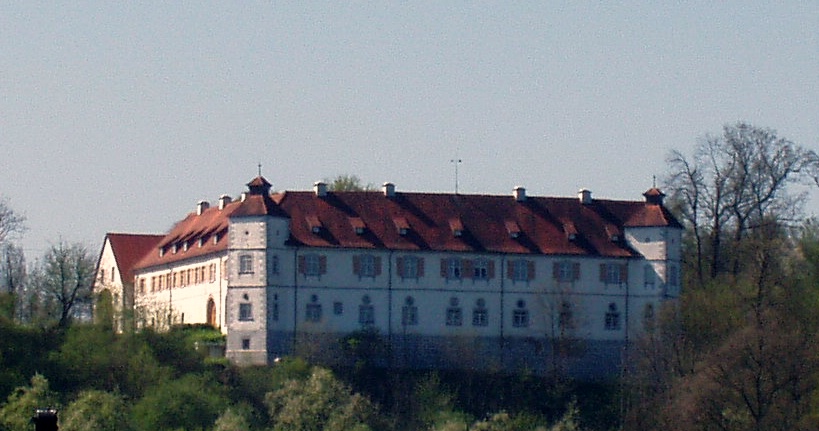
(424, 221)
(129, 248)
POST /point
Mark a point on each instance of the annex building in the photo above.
(445, 280)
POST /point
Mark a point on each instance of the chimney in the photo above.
(223, 201)
(389, 190)
(201, 206)
(320, 188)
(520, 193)
(244, 196)
(585, 196)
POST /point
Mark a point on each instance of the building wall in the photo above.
(306, 311)
(180, 293)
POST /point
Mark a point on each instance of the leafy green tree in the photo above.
(191, 402)
(348, 183)
(16, 413)
(321, 402)
(95, 411)
(233, 419)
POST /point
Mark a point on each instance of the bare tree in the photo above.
(12, 276)
(735, 183)
(10, 222)
(63, 279)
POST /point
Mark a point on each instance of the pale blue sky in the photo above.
(120, 116)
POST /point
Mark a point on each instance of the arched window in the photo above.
(613, 318)
(409, 312)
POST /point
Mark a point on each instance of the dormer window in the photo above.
(185, 246)
(161, 251)
(569, 229)
(457, 227)
(174, 248)
(401, 225)
(200, 242)
(613, 233)
(513, 228)
(314, 223)
(358, 225)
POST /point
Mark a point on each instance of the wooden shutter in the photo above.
(466, 269)
(357, 264)
(302, 265)
(377, 264)
(576, 271)
(322, 264)
(399, 263)
(530, 269)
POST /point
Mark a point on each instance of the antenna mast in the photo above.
(456, 162)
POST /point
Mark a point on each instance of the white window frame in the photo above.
(312, 265)
(454, 269)
(245, 312)
(520, 270)
(245, 264)
(366, 265)
(480, 269)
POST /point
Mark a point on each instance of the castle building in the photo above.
(445, 280)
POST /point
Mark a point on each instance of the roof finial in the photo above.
(260, 169)
(654, 181)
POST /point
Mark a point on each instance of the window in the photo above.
(274, 264)
(338, 308)
(613, 273)
(245, 264)
(102, 275)
(451, 268)
(648, 277)
(313, 311)
(521, 270)
(153, 284)
(142, 286)
(366, 312)
(212, 272)
(565, 318)
(312, 264)
(366, 265)
(480, 315)
(274, 308)
(245, 312)
(245, 343)
(409, 312)
(410, 267)
(454, 314)
(612, 318)
(481, 269)
(565, 272)
(113, 272)
(520, 316)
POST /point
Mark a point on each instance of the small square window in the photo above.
(245, 343)
(245, 264)
(338, 308)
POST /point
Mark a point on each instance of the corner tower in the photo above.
(255, 231)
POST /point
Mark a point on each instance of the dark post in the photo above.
(45, 420)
